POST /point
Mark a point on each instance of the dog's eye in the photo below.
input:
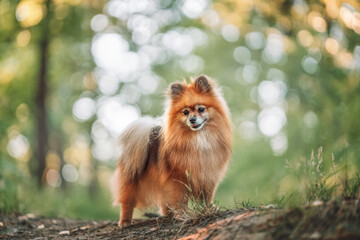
(201, 109)
(186, 112)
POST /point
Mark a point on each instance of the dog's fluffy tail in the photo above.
(134, 143)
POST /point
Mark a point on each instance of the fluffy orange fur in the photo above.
(155, 160)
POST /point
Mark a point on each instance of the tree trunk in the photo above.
(40, 100)
(41, 114)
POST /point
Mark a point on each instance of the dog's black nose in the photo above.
(193, 120)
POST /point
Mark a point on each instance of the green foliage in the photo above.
(286, 200)
(244, 204)
(316, 182)
(351, 187)
(9, 181)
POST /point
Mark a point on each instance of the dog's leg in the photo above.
(126, 215)
(207, 195)
(174, 198)
(128, 202)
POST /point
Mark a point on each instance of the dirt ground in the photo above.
(331, 220)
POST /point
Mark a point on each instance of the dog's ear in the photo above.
(202, 84)
(175, 90)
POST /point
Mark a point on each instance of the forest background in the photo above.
(74, 73)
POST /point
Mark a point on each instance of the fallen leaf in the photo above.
(84, 227)
(41, 226)
(65, 232)
(30, 216)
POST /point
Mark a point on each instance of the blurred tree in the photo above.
(42, 30)
(42, 92)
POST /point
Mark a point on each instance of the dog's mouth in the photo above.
(198, 126)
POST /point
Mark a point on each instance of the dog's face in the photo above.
(195, 117)
(192, 105)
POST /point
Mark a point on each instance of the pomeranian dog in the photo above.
(191, 150)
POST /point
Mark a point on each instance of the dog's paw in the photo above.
(124, 224)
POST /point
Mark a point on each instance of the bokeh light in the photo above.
(193, 8)
(274, 50)
(30, 13)
(84, 109)
(53, 178)
(70, 173)
(255, 40)
(114, 115)
(23, 38)
(309, 64)
(242, 55)
(279, 144)
(230, 33)
(271, 92)
(99, 22)
(18, 146)
(271, 121)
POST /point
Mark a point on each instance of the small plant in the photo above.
(351, 187)
(196, 207)
(313, 179)
(244, 204)
(319, 183)
(281, 201)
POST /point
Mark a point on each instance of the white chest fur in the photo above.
(203, 139)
